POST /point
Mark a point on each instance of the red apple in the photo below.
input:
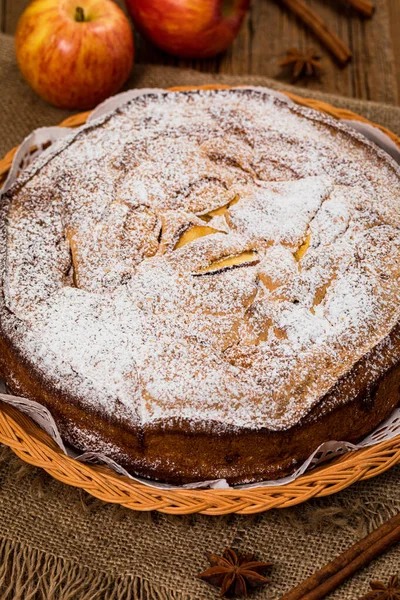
(74, 53)
(189, 28)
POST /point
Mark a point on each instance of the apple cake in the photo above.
(205, 284)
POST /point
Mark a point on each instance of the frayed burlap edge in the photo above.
(27, 574)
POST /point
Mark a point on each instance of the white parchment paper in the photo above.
(40, 139)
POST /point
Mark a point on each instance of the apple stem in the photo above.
(79, 14)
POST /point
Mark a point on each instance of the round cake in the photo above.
(205, 284)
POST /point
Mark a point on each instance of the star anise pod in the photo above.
(303, 62)
(235, 573)
(380, 591)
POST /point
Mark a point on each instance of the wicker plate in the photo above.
(36, 447)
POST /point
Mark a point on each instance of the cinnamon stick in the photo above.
(365, 7)
(333, 43)
(344, 566)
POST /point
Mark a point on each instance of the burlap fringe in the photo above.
(30, 574)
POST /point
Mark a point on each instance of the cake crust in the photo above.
(250, 368)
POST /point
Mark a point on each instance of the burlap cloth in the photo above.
(57, 543)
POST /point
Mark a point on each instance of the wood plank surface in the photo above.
(2, 15)
(269, 30)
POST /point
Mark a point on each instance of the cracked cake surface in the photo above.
(212, 262)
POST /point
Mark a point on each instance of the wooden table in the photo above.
(269, 31)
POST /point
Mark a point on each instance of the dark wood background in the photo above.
(269, 31)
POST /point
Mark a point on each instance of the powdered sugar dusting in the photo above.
(99, 298)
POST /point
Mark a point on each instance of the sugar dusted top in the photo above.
(215, 257)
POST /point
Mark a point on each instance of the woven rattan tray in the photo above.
(36, 447)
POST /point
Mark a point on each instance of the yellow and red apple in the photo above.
(74, 53)
(189, 28)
